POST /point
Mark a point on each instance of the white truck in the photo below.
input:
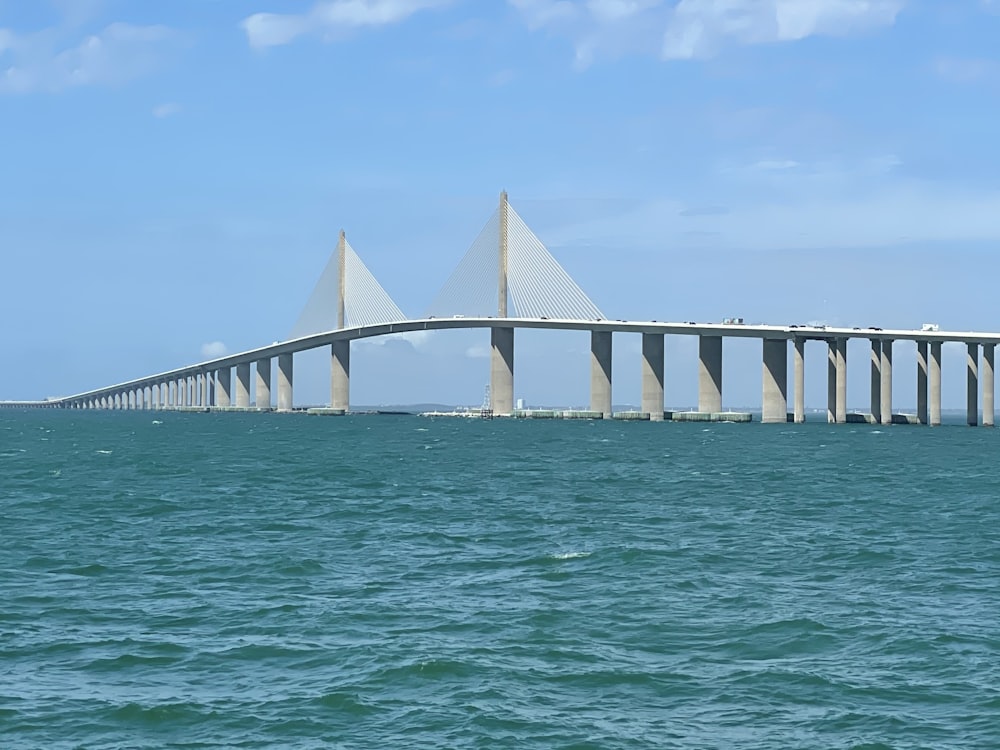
(930, 327)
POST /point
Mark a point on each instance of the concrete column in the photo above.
(223, 382)
(263, 384)
(205, 378)
(190, 397)
(922, 382)
(988, 384)
(876, 386)
(502, 370)
(600, 372)
(935, 384)
(972, 392)
(831, 381)
(775, 396)
(652, 376)
(886, 387)
(800, 381)
(340, 375)
(243, 385)
(285, 382)
(154, 396)
(710, 374)
(841, 381)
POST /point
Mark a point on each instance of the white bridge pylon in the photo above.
(347, 295)
(507, 262)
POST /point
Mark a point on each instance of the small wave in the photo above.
(157, 421)
(105, 453)
(569, 555)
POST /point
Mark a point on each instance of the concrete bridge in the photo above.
(351, 305)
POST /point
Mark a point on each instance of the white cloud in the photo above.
(812, 211)
(419, 340)
(214, 350)
(540, 13)
(697, 28)
(330, 19)
(167, 109)
(966, 70)
(700, 28)
(119, 53)
(478, 351)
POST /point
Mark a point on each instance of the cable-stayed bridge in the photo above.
(508, 280)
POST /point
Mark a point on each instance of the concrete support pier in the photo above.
(652, 376)
(775, 397)
(876, 382)
(502, 371)
(263, 385)
(800, 381)
(841, 381)
(223, 384)
(710, 374)
(988, 384)
(922, 382)
(934, 379)
(972, 391)
(285, 381)
(340, 374)
(243, 385)
(886, 387)
(600, 372)
(831, 381)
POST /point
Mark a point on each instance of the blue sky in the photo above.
(175, 174)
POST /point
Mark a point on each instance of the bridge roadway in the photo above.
(209, 383)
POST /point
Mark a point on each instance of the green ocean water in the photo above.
(252, 581)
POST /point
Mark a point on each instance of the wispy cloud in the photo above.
(702, 28)
(330, 19)
(966, 70)
(214, 350)
(119, 53)
(816, 207)
(167, 109)
(691, 29)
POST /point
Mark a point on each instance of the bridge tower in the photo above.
(502, 337)
(340, 350)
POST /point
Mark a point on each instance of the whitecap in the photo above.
(569, 555)
(104, 453)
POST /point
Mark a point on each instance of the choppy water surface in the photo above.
(291, 581)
